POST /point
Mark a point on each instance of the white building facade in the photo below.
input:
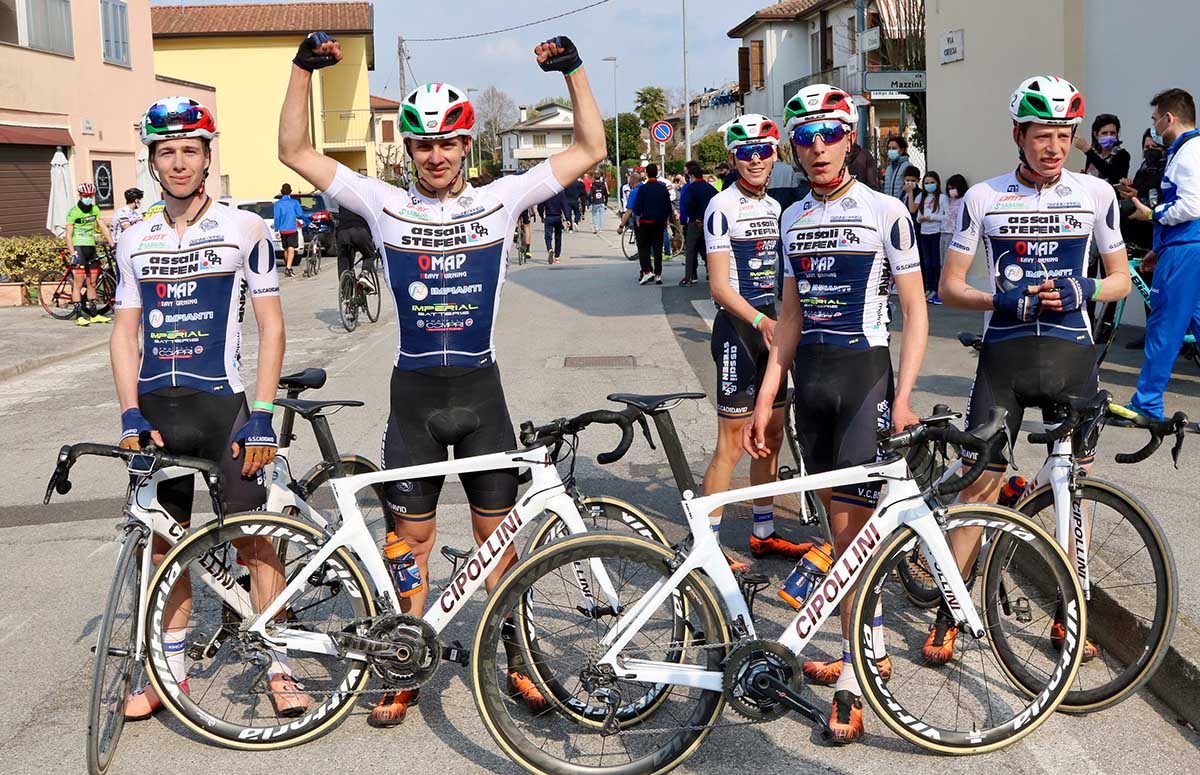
(538, 135)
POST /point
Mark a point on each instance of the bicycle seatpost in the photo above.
(325, 442)
(669, 438)
(286, 435)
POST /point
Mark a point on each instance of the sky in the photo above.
(645, 36)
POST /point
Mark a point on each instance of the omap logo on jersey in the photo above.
(815, 263)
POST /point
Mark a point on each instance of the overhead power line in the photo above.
(506, 29)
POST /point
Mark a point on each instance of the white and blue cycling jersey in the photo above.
(444, 261)
(192, 294)
(1031, 234)
(1177, 216)
(747, 227)
(844, 249)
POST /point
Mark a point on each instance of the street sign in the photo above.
(661, 131)
(952, 47)
(869, 40)
(894, 80)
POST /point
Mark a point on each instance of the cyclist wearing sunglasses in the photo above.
(184, 276)
(741, 234)
(1036, 224)
(444, 244)
(845, 245)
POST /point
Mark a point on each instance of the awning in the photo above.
(34, 135)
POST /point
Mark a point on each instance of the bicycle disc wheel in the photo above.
(371, 301)
(969, 705)
(54, 293)
(348, 301)
(563, 638)
(106, 291)
(1133, 592)
(114, 670)
(227, 698)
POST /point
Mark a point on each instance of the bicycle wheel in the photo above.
(114, 670)
(629, 244)
(106, 291)
(319, 495)
(968, 705)
(564, 640)
(371, 301)
(54, 293)
(600, 513)
(226, 699)
(1133, 592)
(348, 301)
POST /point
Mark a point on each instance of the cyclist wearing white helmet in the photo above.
(741, 235)
(184, 275)
(444, 244)
(845, 247)
(1036, 223)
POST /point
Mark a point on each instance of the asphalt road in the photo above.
(56, 559)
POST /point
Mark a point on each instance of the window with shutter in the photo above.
(114, 24)
(49, 26)
(743, 69)
(389, 130)
(756, 64)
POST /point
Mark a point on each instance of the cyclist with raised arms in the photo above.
(741, 234)
(845, 247)
(444, 244)
(1036, 223)
(185, 273)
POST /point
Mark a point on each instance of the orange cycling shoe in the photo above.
(521, 685)
(1058, 636)
(145, 702)
(827, 673)
(288, 697)
(737, 566)
(845, 718)
(775, 545)
(392, 708)
(939, 645)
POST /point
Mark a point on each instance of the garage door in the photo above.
(24, 188)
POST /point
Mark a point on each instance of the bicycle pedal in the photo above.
(1022, 609)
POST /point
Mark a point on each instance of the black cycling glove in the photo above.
(568, 61)
(307, 57)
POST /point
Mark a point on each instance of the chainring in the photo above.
(753, 658)
(413, 654)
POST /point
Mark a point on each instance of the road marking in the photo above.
(707, 310)
(102, 547)
(13, 630)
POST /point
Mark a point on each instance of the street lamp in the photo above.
(687, 104)
(616, 126)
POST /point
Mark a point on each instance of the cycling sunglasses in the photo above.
(162, 115)
(747, 152)
(829, 131)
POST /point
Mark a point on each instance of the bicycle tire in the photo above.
(54, 294)
(1124, 635)
(1023, 711)
(106, 292)
(629, 244)
(332, 697)
(920, 586)
(700, 709)
(372, 300)
(348, 301)
(114, 668)
(320, 497)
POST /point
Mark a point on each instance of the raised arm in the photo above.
(588, 147)
(295, 146)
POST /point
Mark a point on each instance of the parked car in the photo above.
(314, 207)
(265, 209)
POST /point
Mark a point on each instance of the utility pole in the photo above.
(400, 58)
(864, 112)
(687, 102)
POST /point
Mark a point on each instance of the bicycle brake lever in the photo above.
(646, 430)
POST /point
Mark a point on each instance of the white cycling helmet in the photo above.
(436, 111)
(1046, 99)
(750, 129)
(819, 102)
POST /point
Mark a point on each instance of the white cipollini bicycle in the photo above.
(340, 617)
(622, 647)
(1116, 546)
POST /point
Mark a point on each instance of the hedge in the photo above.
(24, 259)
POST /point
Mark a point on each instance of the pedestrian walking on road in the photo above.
(650, 207)
(286, 215)
(693, 201)
(575, 193)
(598, 197)
(893, 175)
(554, 212)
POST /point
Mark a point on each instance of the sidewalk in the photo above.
(33, 339)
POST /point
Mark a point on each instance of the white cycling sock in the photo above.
(279, 663)
(847, 681)
(175, 649)
(877, 640)
(714, 521)
(764, 520)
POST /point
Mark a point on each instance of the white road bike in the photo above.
(643, 694)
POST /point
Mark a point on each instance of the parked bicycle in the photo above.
(645, 699)
(55, 286)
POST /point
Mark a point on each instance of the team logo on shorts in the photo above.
(155, 318)
(418, 291)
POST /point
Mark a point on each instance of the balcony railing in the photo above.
(834, 77)
(347, 128)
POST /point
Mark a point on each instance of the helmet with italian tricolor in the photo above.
(1046, 99)
(435, 111)
(750, 129)
(172, 118)
(819, 102)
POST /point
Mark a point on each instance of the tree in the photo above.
(650, 104)
(544, 101)
(495, 111)
(710, 151)
(631, 136)
(387, 156)
(903, 43)
(674, 96)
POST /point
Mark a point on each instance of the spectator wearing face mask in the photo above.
(928, 207)
(897, 164)
(1105, 158)
(956, 188)
(1144, 185)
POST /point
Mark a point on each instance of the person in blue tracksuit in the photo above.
(287, 216)
(1175, 294)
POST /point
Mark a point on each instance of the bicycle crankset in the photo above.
(402, 649)
(753, 671)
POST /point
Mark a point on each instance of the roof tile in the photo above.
(261, 19)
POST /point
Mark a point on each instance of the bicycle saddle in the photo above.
(311, 409)
(303, 380)
(652, 404)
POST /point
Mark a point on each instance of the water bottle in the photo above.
(403, 564)
(1012, 491)
(804, 577)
